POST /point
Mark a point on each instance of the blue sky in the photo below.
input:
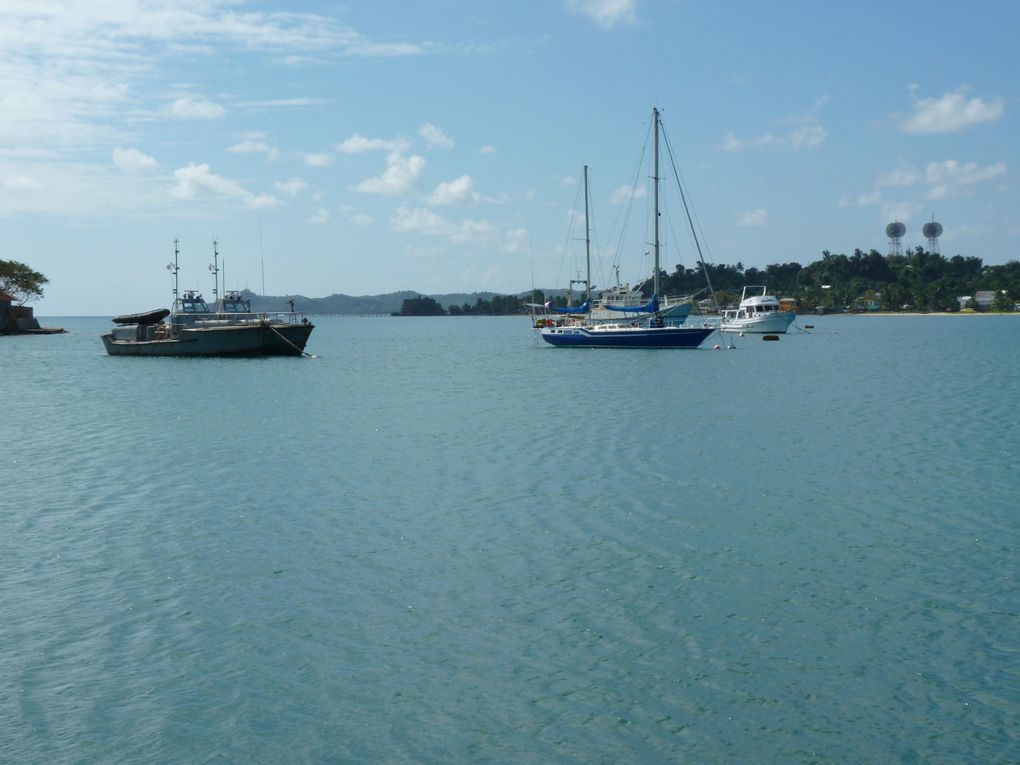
(370, 147)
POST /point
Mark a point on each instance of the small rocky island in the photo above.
(19, 283)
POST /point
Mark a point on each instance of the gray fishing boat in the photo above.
(192, 328)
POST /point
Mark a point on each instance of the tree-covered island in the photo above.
(19, 284)
(916, 281)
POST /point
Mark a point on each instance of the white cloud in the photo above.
(255, 143)
(194, 179)
(400, 177)
(75, 74)
(283, 103)
(901, 211)
(624, 194)
(133, 161)
(188, 108)
(808, 136)
(434, 137)
(606, 13)
(318, 160)
(757, 217)
(951, 178)
(320, 217)
(358, 144)
(942, 180)
(354, 217)
(22, 183)
(514, 240)
(474, 231)
(805, 133)
(732, 144)
(900, 177)
(291, 187)
(487, 149)
(460, 191)
(426, 222)
(951, 113)
(419, 221)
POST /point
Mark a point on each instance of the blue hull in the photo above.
(646, 337)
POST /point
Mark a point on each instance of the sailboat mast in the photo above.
(216, 271)
(174, 268)
(655, 180)
(587, 242)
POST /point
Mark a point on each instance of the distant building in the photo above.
(983, 299)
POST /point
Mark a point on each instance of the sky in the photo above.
(436, 145)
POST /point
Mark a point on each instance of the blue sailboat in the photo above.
(648, 329)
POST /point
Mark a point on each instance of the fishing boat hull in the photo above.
(626, 337)
(256, 339)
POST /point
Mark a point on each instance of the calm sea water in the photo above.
(439, 542)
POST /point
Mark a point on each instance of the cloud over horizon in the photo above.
(951, 113)
(605, 13)
(193, 180)
(400, 177)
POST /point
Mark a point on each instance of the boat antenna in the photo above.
(215, 268)
(173, 268)
(587, 242)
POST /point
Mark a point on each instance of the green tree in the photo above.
(421, 306)
(22, 282)
(894, 295)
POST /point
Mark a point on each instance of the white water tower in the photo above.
(895, 232)
(932, 231)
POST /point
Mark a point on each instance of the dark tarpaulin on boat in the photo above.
(583, 308)
(650, 307)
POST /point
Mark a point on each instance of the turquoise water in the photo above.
(439, 542)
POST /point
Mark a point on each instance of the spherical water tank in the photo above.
(932, 230)
(895, 230)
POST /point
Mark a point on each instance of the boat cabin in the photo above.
(191, 302)
(753, 308)
(232, 302)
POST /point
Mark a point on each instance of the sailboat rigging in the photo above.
(652, 331)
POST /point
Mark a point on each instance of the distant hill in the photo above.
(364, 305)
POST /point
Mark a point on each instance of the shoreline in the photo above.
(910, 313)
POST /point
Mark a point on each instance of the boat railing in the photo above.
(236, 318)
